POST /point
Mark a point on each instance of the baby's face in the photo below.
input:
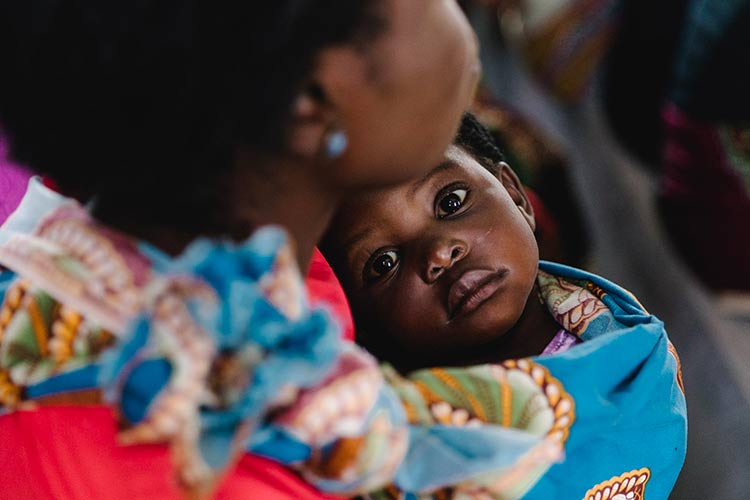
(440, 264)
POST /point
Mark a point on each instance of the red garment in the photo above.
(323, 287)
(70, 452)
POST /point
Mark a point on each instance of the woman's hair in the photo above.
(149, 101)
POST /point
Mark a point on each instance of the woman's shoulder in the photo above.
(99, 274)
(215, 333)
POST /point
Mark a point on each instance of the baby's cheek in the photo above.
(412, 317)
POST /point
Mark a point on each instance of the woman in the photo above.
(186, 120)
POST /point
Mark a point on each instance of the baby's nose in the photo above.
(441, 257)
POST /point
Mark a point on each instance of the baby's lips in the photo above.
(468, 282)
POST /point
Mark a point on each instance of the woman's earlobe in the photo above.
(335, 142)
(314, 130)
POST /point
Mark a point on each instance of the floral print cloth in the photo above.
(216, 352)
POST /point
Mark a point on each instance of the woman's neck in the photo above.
(258, 192)
(288, 195)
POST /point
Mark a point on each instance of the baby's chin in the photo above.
(494, 319)
(462, 342)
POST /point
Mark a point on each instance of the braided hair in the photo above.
(475, 139)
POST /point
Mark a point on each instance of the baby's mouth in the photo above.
(472, 289)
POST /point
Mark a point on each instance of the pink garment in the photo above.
(13, 181)
(561, 342)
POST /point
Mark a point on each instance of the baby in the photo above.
(443, 270)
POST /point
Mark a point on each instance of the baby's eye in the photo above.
(450, 202)
(380, 265)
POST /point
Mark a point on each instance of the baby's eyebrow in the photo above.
(445, 165)
(350, 243)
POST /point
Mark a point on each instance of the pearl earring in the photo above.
(336, 142)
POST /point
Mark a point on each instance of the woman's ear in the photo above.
(319, 112)
(310, 119)
(517, 193)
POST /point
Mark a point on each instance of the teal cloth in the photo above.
(631, 411)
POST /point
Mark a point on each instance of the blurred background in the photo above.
(630, 123)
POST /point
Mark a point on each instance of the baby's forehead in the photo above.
(365, 211)
(381, 207)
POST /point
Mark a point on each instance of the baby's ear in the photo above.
(517, 192)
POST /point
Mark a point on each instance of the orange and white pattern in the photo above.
(573, 307)
(628, 486)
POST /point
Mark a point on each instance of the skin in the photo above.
(413, 82)
(404, 248)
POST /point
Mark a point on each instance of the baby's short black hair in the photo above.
(475, 139)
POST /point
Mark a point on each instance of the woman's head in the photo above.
(439, 267)
(401, 103)
(154, 101)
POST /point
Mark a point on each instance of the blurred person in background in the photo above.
(674, 86)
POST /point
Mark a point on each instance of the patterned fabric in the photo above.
(216, 352)
(627, 384)
(590, 414)
(194, 351)
(628, 486)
